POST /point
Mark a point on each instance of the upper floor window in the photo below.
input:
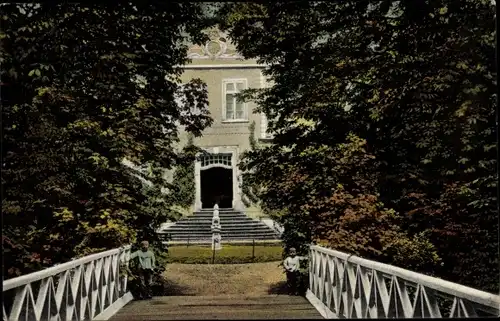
(233, 110)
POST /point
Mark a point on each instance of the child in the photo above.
(147, 264)
(292, 266)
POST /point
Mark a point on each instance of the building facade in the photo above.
(226, 73)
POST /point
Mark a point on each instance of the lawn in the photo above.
(224, 279)
(229, 254)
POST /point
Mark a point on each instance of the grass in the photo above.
(225, 279)
(229, 254)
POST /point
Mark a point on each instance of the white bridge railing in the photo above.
(90, 288)
(344, 286)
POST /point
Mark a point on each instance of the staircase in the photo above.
(236, 226)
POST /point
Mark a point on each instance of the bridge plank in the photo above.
(218, 307)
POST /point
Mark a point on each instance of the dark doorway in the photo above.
(216, 186)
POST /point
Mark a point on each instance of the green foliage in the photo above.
(414, 84)
(229, 254)
(183, 180)
(90, 86)
(249, 191)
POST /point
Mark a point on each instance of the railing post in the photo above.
(253, 250)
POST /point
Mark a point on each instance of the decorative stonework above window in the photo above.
(218, 47)
(214, 48)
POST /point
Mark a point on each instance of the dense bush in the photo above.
(383, 116)
(90, 85)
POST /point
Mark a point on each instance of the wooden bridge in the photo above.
(340, 286)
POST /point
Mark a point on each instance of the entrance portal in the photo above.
(216, 186)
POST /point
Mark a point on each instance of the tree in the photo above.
(416, 81)
(183, 177)
(86, 87)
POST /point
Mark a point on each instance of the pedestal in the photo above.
(216, 241)
(216, 227)
(197, 182)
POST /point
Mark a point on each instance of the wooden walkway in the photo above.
(218, 307)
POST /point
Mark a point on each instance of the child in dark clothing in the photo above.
(292, 266)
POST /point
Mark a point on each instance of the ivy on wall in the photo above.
(183, 178)
(249, 191)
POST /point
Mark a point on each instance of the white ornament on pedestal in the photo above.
(216, 228)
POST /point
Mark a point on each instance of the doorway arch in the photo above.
(216, 187)
(216, 180)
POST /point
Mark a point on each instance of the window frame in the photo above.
(234, 81)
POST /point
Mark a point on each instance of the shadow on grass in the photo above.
(169, 288)
(278, 288)
(282, 287)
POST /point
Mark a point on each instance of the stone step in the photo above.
(222, 233)
(220, 212)
(210, 214)
(209, 222)
(206, 217)
(209, 218)
(221, 219)
(235, 225)
(228, 237)
(204, 235)
(189, 224)
(224, 228)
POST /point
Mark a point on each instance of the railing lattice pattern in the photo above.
(78, 290)
(352, 287)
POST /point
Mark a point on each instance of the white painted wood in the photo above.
(94, 283)
(115, 307)
(351, 287)
(320, 306)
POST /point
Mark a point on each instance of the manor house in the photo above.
(226, 73)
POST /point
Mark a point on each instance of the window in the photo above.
(234, 110)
